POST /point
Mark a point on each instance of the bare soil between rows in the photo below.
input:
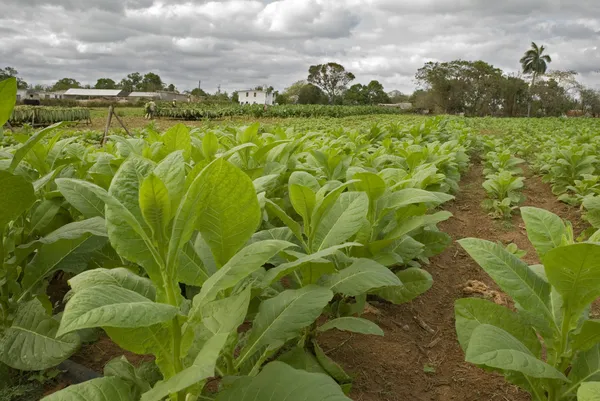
(419, 358)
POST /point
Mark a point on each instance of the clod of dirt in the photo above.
(478, 288)
(371, 309)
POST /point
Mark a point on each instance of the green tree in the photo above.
(105, 83)
(235, 97)
(535, 63)
(290, 95)
(311, 94)
(590, 101)
(376, 94)
(197, 92)
(65, 83)
(11, 72)
(357, 94)
(151, 83)
(331, 78)
(550, 99)
(398, 97)
(132, 82)
(171, 88)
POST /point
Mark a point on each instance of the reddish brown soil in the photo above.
(419, 358)
(96, 355)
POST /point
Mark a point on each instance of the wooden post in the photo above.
(108, 121)
(122, 125)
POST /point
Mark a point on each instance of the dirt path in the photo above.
(419, 358)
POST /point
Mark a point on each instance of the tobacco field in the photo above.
(396, 258)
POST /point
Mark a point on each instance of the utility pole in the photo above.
(219, 89)
(199, 84)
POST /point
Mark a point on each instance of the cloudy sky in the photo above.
(244, 43)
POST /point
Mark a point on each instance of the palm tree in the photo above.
(534, 62)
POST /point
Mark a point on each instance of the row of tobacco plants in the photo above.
(222, 253)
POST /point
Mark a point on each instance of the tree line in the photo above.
(472, 88)
(134, 82)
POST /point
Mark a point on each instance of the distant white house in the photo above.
(252, 96)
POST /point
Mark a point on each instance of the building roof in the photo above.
(143, 94)
(250, 90)
(93, 92)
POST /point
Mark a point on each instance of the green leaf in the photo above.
(370, 183)
(81, 197)
(584, 368)
(493, 347)
(277, 273)
(112, 306)
(226, 315)
(300, 358)
(363, 276)
(210, 145)
(178, 138)
(101, 389)
(281, 318)
(31, 142)
(242, 265)
(171, 171)
(274, 209)
(304, 179)
(119, 277)
(342, 221)
(155, 205)
(513, 276)
(120, 367)
(589, 392)
(353, 324)
(70, 255)
(44, 214)
(332, 368)
(545, 230)
(471, 313)
(588, 336)
(280, 382)
(8, 98)
(191, 269)
(414, 222)
(222, 205)
(415, 282)
(202, 368)
(95, 226)
(30, 343)
(16, 197)
(303, 200)
(574, 271)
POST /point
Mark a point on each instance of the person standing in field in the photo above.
(150, 109)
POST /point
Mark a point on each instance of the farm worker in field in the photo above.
(174, 104)
(150, 109)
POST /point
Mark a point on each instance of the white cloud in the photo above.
(240, 43)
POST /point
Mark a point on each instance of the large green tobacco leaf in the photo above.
(95, 226)
(589, 392)
(415, 282)
(101, 389)
(112, 306)
(285, 269)
(202, 368)
(342, 221)
(178, 138)
(588, 336)
(70, 255)
(412, 223)
(411, 196)
(171, 171)
(120, 277)
(44, 214)
(574, 271)
(353, 324)
(8, 98)
(155, 205)
(226, 315)
(513, 276)
(585, 368)
(16, 197)
(332, 368)
(280, 382)
(545, 230)
(191, 270)
(363, 276)
(147, 340)
(496, 348)
(30, 343)
(244, 263)
(29, 145)
(281, 318)
(222, 205)
(293, 225)
(470, 313)
(81, 197)
(303, 200)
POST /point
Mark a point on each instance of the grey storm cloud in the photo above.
(242, 43)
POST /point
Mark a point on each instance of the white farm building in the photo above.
(253, 96)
